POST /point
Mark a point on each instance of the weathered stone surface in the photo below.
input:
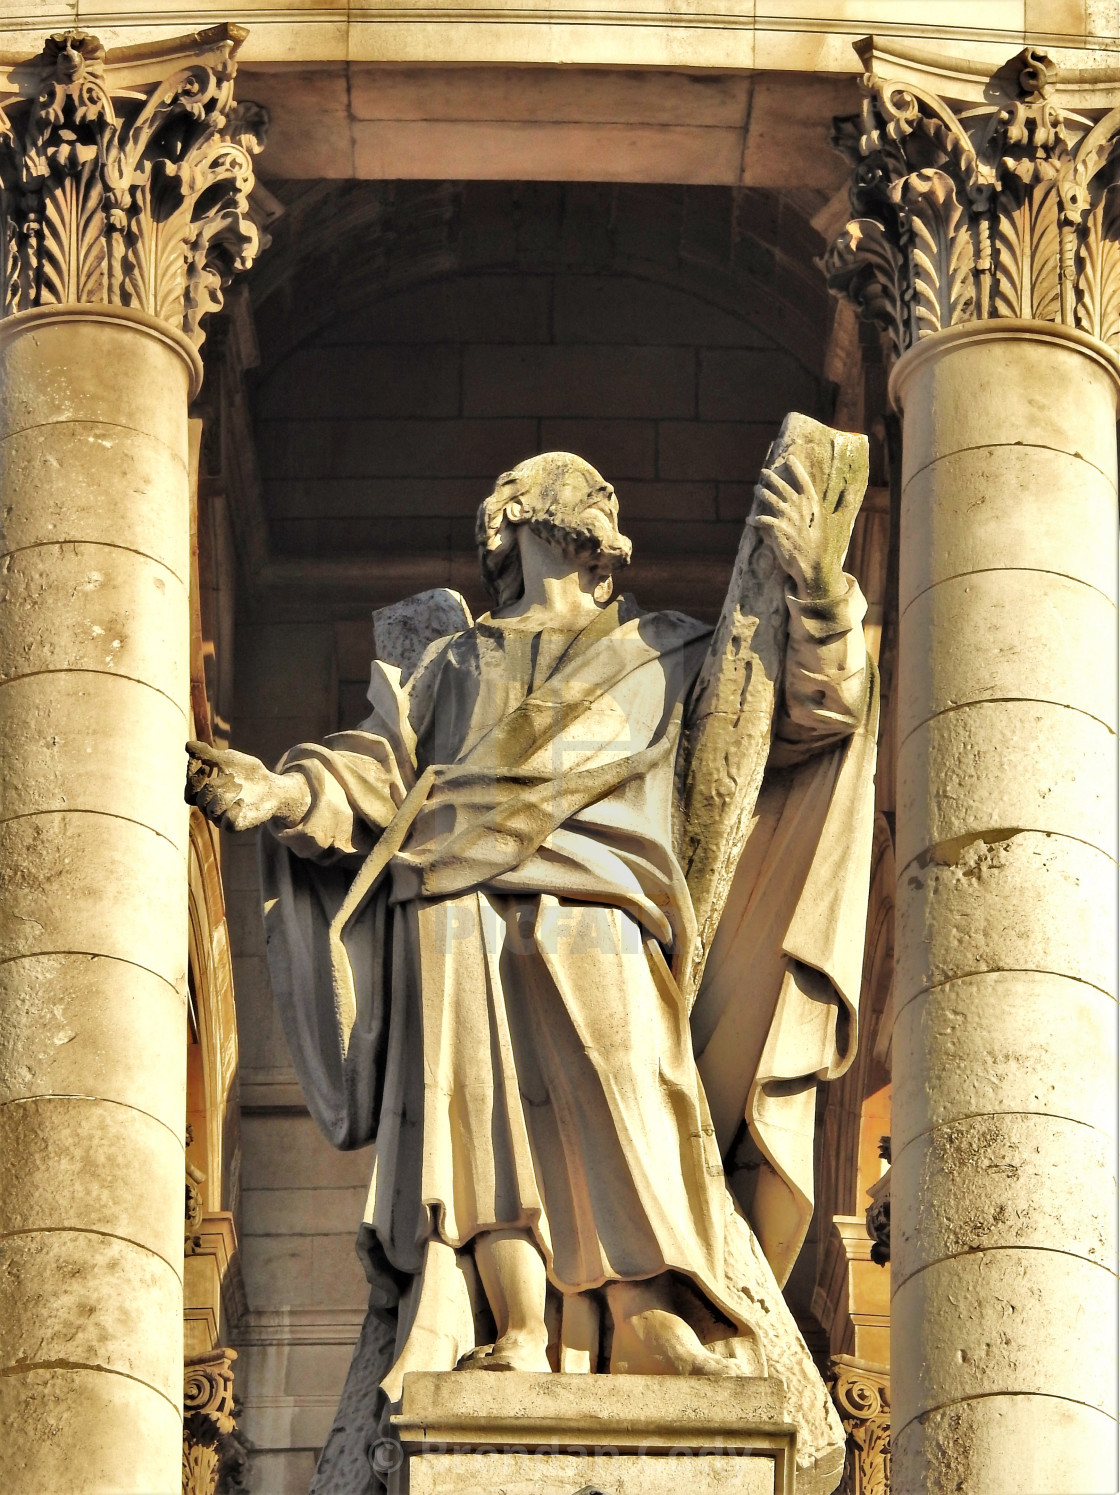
(89, 1431)
(70, 1157)
(977, 911)
(1046, 393)
(975, 510)
(1001, 767)
(1015, 1041)
(626, 1435)
(56, 754)
(83, 1299)
(402, 631)
(93, 607)
(965, 1447)
(63, 1015)
(727, 743)
(1009, 1320)
(1000, 1181)
(55, 870)
(93, 480)
(57, 373)
(559, 1474)
(1031, 623)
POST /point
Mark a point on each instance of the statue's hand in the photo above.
(808, 539)
(237, 791)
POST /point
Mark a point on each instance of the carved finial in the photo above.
(1010, 210)
(129, 196)
(1037, 76)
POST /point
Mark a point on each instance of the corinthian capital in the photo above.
(979, 196)
(125, 177)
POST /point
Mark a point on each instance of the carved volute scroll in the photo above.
(125, 177)
(212, 1452)
(992, 201)
(862, 1394)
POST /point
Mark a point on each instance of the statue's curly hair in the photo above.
(530, 494)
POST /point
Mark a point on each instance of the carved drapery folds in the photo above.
(125, 192)
(965, 210)
(862, 1394)
(212, 1452)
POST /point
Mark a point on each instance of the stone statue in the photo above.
(570, 927)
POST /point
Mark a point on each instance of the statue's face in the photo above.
(562, 500)
(582, 508)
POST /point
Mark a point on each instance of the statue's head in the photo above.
(563, 500)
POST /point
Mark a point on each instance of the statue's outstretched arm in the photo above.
(237, 791)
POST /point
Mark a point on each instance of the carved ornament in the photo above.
(970, 205)
(115, 191)
(878, 1218)
(862, 1394)
(212, 1452)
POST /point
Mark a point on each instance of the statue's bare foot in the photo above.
(655, 1342)
(510, 1352)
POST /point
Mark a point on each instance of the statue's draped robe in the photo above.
(501, 1016)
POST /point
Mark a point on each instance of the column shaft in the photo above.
(94, 535)
(1004, 1083)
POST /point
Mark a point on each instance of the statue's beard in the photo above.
(586, 537)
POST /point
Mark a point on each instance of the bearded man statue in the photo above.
(485, 940)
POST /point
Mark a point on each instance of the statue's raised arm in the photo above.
(775, 806)
(798, 531)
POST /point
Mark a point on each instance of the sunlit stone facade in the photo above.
(284, 291)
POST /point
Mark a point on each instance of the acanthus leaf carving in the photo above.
(129, 196)
(1098, 311)
(942, 259)
(996, 211)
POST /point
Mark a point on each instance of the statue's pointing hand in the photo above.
(237, 792)
(808, 539)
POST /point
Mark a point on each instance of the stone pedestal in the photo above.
(474, 1431)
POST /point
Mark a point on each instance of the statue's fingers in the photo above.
(202, 752)
(769, 507)
(769, 482)
(802, 479)
(769, 524)
(198, 773)
(234, 818)
(214, 801)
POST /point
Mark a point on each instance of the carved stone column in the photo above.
(985, 244)
(123, 210)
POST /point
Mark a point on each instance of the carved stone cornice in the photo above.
(862, 1394)
(974, 204)
(125, 177)
(211, 1448)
